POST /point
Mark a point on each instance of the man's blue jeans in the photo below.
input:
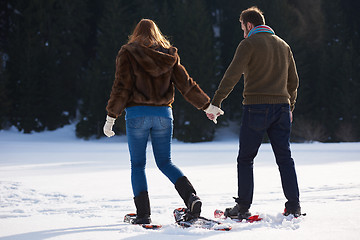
(275, 120)
(160, 130)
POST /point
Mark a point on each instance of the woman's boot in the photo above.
(188, 194)
(142, 209)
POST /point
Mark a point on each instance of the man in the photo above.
(270, 90)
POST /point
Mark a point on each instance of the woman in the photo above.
(147, 68)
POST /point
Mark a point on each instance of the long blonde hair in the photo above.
(147, 33)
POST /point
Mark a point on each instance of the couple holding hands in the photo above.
(147, 70)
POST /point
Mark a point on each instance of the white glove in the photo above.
(108, 126)
(212, 112)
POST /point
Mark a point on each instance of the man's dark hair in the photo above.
(252, 15)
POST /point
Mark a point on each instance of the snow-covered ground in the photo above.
(54, 186)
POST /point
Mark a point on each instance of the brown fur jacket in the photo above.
(145, 76)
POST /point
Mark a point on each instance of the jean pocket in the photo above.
(165, 122)
(135, 122)
(285, 120)
(257, 118)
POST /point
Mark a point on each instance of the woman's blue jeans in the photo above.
(274, 119)
(160, 131)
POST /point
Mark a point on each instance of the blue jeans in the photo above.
(160, 130)
(275, 120)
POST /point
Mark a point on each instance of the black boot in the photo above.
(188, 194)
(296, 212)
(238, 211)
(142, 209)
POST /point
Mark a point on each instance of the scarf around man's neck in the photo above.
(261, 28)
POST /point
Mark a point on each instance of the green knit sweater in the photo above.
(270, 75)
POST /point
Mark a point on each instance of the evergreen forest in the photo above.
(57, 61)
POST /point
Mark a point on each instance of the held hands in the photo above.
(108, 126)
(212, 112)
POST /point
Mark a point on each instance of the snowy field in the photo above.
(54, 186)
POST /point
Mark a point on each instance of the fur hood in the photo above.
(153, 61)
(147, 77)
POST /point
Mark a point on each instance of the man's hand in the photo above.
(212, 112)
(108, 126)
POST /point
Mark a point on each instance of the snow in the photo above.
(55, 186)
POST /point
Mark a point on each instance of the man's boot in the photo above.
(237, 211)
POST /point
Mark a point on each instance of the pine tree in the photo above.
(45, 58)
(194, 37)
(328, 81)
(5, 12)
(343, 71)
(117, 22)
(230, 36)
